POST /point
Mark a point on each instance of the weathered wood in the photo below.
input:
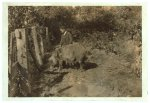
(21, 47)
(20, 83)
(10, 52)
(27, 49)
(36, 44)
(48, 44)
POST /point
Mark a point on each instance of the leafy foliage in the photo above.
(79, 20)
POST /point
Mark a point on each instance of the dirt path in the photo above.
(112, 77)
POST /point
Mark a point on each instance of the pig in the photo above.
(54, 59)
(70, 55)
(73, 54)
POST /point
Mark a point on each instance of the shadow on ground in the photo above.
(90, 65)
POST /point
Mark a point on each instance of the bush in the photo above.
(80, 20)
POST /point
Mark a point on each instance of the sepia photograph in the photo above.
(74, 51)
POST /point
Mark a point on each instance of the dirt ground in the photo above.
(107, 75)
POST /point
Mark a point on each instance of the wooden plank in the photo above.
(10, 52)
(21, 47)
(36, 44)
(47, 40)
